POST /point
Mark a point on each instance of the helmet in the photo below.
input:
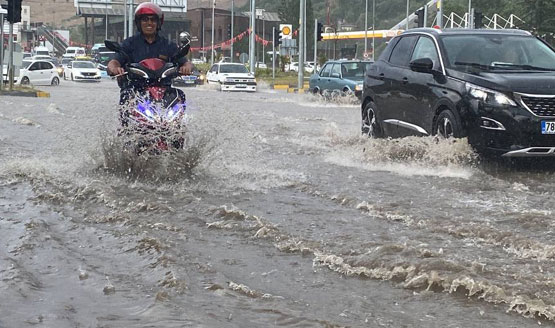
(148, 8)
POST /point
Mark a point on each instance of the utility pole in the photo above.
(302, 23)
(125, 19)
(373, 29)
(232, 19)
(366, 28)
(10, 62)
(469, 21)
(131, 18)
(2, 48)
(212, 47)
(439, 16)
(252, 39)
(408, 8)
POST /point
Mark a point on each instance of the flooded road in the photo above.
(277, 214)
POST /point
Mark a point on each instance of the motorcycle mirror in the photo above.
(184, 38)
(112, 45)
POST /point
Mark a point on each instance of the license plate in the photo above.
(189, 81)
(548, 127)
(241, 85)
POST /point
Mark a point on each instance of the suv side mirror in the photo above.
(422, 65)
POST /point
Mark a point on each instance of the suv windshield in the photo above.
(353, 70)
(104, 57)
(233, 69)
(497, 52)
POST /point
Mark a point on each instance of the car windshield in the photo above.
(233, 69)
(353, 70)
(105, 57)
(83, 65)
(66, 61)
(497, 52)
(25, 63)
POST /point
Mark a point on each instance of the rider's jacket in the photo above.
(139, 49)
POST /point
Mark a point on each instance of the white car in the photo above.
(231, 77)
(81, 70)
(72, 52)
(40, 57)
(294, 67)
(38, 72)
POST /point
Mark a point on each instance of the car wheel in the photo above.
(370, 125)
(316, 90)
(55, 81)
(347, 92)
(25, 81)
(447, 125)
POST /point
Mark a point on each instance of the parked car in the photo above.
(294, 67)
(496, 87)
(80, 70)
(342, 76)
(38, 72)
(231, 77)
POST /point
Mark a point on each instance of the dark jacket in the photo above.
(138, 49)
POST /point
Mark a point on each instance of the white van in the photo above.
(72, 52)
(41, 51)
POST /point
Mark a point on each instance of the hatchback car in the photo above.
(38, 72)
(343, 76)
(495, 87)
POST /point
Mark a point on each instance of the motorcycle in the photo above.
(152, 111)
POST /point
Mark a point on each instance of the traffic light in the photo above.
(419, 17)
(478, 20)
(14, 11)
(229, 36)
(319, 31)
(277, 37)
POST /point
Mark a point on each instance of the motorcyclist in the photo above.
(149, 19)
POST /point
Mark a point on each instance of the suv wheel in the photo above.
(370, 125)
(447, 125)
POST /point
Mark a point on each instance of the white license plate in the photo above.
(190, 81)
(241, 85)
(548, 127)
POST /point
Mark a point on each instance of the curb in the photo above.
(39, 94)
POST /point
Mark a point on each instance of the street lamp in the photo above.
(366, 29)
(212, 47)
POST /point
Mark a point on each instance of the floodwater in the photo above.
(277, 214)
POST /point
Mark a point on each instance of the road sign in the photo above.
(244, 58)
(286, 31)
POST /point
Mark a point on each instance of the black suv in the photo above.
(496, 87)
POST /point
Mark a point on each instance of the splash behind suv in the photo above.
(496, 87)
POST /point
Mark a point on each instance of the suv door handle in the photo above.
(405, 80)
(381, 76)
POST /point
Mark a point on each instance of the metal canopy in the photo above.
(118, 11)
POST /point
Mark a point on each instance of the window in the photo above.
(425, 48)
(336, 69)
(214, 69)
(46, 65)
(402, 51)
(34, 67)
(353, 70)
(326, 71)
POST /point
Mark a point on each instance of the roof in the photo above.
(460, 31)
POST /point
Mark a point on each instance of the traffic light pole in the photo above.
(274, 55)
(315, 43)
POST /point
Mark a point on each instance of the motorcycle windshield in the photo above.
(152, 64)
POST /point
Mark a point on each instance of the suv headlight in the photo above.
(488, 96)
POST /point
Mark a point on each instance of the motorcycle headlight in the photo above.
(146, 110)
(174, 112)
(488, 96)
